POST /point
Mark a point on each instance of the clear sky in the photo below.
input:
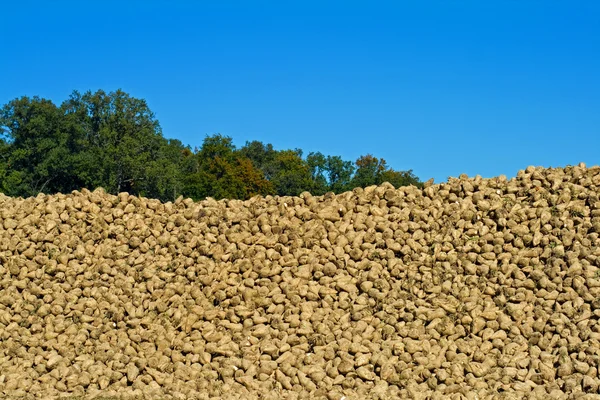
(439, 87)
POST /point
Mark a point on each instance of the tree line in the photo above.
(113, 140)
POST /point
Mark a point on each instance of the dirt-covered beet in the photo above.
(471, 289)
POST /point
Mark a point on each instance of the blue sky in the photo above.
(439, 87)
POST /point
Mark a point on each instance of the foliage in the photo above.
(401, 178)
(329, 173)
(374, 171)
(120, 136)
(165, 172)
(218, 170)
(369, 171)
(291, 174)
(37, 148)
(262, 157)
(114, 141)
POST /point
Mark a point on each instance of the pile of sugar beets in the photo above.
(470, 289)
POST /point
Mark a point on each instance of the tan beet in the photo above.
(460, 289)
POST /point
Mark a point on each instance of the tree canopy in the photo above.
(113, 140)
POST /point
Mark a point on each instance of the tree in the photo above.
(38, 148)
(317, 164)
(374, 171)
(339, 174)
(369, 171)
(329, 173)
(291, 174)
(120, 137)
(262, 156)
(165, 173)
(113, 140)
(4, 161)
(220, 171)
(401, 178)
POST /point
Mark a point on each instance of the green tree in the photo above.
(317, 164)
(401, 178)
(5, 150)
(113, 140)
(38, 148)
(329, 173)
(262, 156)
(220, 171)
(374, 171)
(165, 174)
(291, 174)
(121, 140)
(339, 174)
(286, 170)
(369, 171)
